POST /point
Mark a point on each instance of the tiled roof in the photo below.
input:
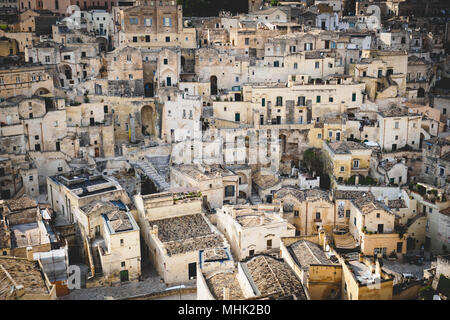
(186, 233)
(302, 195)
(99, 206)
(265, 181)
(24, 272)
(119, 220)
(367, 205)
(352, 194)
(274, 278)
(218, 282)
(308, 253)
(25, 202)
(399, 203)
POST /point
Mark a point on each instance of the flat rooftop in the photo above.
(85, 184)
(204, 172)
(252, 216)
(274, 278)
(345, 147)
(186, 233)
(363, 273)
(29, 235)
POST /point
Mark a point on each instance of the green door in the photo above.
(123, 275)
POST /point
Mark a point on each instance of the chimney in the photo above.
(155, 230)
(377, 267)
(29, 253)
(386, 201)
(226, 293)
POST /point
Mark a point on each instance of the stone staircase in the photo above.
(161, 164)
(255, 199)
(96, 259)
(150, 171)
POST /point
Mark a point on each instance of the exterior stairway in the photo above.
(161, 164)
(97, 263)
(255, 199)
(150, 171)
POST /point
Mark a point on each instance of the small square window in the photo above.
(122, 264)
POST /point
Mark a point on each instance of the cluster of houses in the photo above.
(299, 150)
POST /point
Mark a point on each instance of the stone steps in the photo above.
(150, 171)
(255, 199)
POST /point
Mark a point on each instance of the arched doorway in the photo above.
(148, 126)
(242, 195)
(422, 138)
(102, 44)
(67, 70)
(213, 81)
(41, 91)
(149, 89)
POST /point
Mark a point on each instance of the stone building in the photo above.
(347, 159)
(435, 161)
(112, 236)
(253, 229)
(8, 47)
(398, 128)
(155, 24)
(25, 79)
(67, 193)
(318, 270)
(217, 183)
(372, 225)
(175, 230)
(308, 210)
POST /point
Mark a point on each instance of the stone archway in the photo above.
(102, 43)
(148, 120)
(67, 71)
(41, 91)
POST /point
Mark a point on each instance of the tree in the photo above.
(426, 293)
(314, 162)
